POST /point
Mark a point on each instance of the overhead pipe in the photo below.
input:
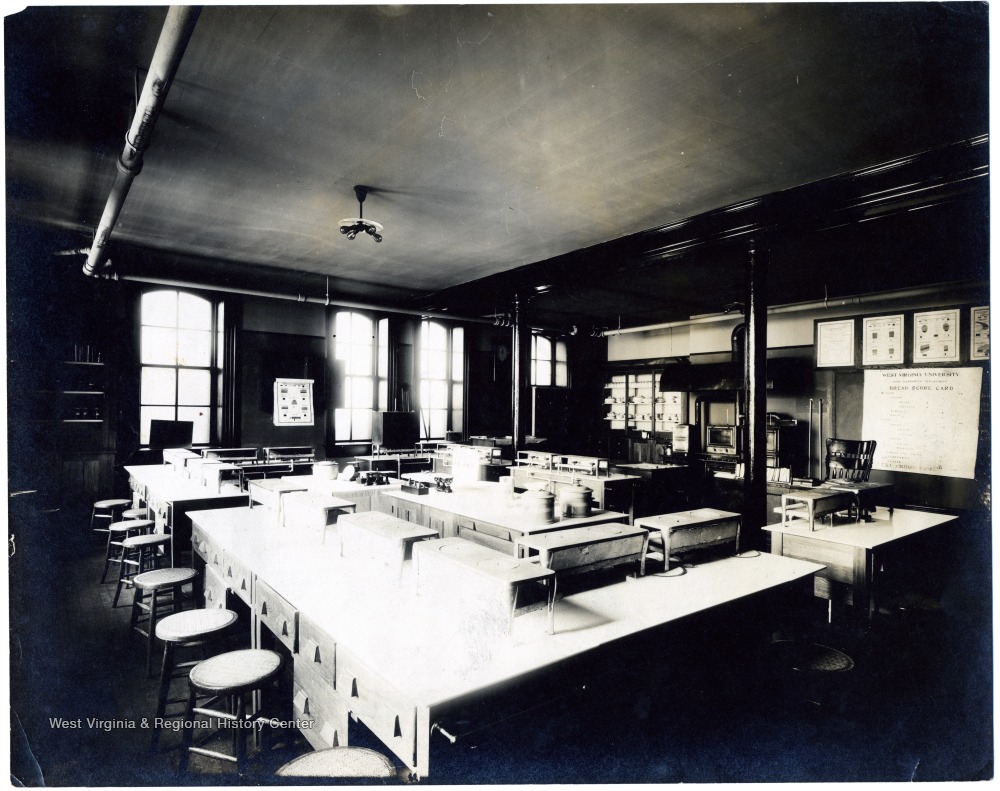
(340, 303)
(174, 37)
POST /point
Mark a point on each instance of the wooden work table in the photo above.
(367, 645)
(848, 550)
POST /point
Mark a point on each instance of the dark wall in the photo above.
(265, 357)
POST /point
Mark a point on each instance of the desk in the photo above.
(170, 496)
(409, 462)
(807, 506)
(689, 530)
(411, 663)
(848, 551)
(581, 549)
(382, 536)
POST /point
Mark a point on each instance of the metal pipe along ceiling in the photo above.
(174, 37)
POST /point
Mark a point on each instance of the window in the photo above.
(442, 379)
(177, 337)
(548, 362)
(361, 347)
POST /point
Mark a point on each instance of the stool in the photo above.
(155, 583)
(228, 678)
(105, 509)
(335, 762)
(117, 533)
(140, 553)
(136, 513)
(189, 629)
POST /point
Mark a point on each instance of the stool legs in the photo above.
(145, 555)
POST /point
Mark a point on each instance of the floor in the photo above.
(716, 700)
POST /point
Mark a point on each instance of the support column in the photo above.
(520, 377)
(755, 408)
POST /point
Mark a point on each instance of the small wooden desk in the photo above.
(848, 551)
(806, 506)
(687, 530)
(381, 535)
(582, 549)
(456, 557)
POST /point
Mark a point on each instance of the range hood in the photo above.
(784, 374)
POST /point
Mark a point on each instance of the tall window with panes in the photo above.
(549, 366)
(442, 379)
(361, 349)
(178, 360)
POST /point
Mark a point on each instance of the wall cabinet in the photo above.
(634, 401)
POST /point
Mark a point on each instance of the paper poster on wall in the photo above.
(935, 336)
(980, 348)
(293, 402)
(883, 340)
(834, 343)
(924, 420)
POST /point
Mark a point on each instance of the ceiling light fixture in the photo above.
(352, 226)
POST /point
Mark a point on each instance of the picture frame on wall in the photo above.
(883, 339)
(935, 336)
(835, 344)
(979, 337)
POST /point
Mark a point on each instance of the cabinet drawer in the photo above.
(316, 703)
(215, 589)
(276, 614)
(317, 650)
(237, 577)
(381, 707)
(838, 558)
(206, 548)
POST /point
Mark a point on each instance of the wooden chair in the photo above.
(849, 459)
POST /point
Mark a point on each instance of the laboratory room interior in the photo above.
(498, 394)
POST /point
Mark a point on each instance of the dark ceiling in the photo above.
(493, 136)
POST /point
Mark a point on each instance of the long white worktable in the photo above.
(848, 550)
(169, 496)
(396, 660)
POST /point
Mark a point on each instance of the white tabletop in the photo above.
(492, 503)
(166, 484)
(435, 655)
(682, 519)
(867, 535)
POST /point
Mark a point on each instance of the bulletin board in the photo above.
(293, 402)
(924, 420)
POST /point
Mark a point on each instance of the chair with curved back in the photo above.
(849, 459)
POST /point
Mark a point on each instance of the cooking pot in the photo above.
(575, 500)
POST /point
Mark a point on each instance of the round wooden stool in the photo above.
(155, 584)
(335, 762)
(106, 509)
(228, 678)
(139, 554)
(117, 533)
(136, 513)
(189, 629)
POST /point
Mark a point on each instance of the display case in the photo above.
(633, 401)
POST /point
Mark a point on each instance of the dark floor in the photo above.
(711, 701)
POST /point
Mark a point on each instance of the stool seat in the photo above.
(163, 578)
(339, 762)
(235, 671)
(111, 503)
(130, 524)
(190, 625)
(136, 513)
(153, 539)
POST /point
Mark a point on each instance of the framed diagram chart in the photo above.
(935, 336)
(293, 402)
(835, 343)
(980, 340)
(883, 340)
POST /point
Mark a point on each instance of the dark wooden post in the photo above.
(520, 381)
(755, 379)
